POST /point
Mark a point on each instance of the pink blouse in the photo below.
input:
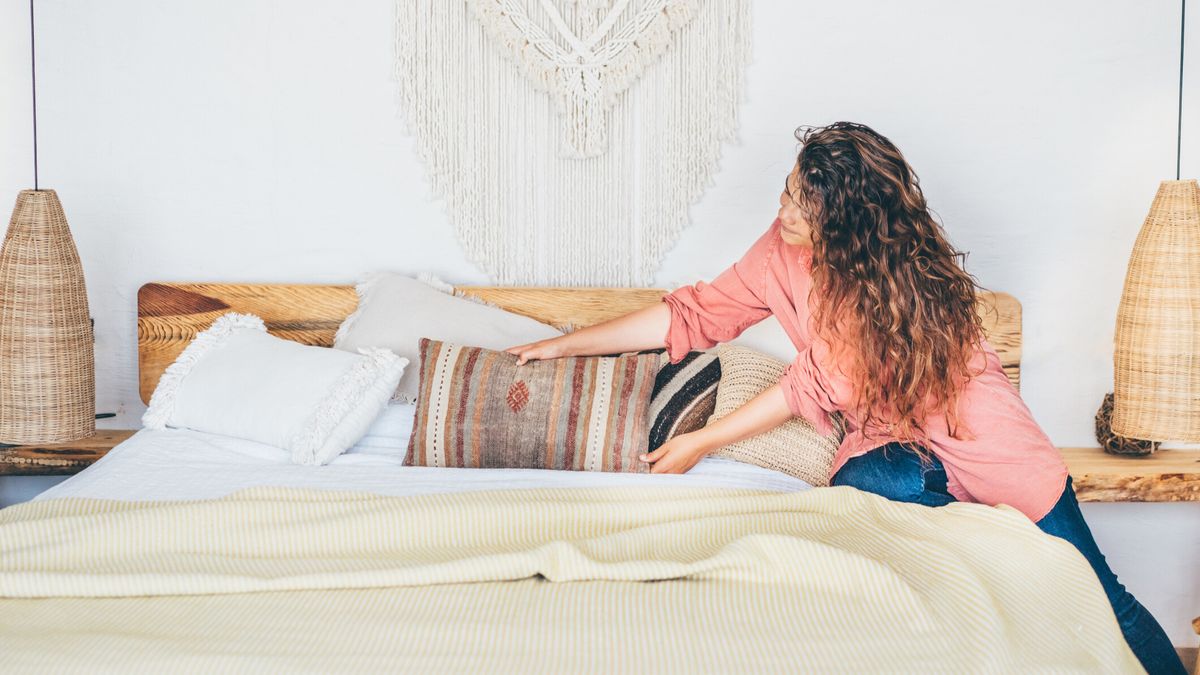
(1009, 461)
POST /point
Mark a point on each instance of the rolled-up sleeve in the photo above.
(704, 314)
(813, 390)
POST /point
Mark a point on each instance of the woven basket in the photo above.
(1157, 343)
(47, 371)
(1114, 444)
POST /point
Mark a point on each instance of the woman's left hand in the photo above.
(677, 455)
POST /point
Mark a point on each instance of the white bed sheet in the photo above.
(179, 464)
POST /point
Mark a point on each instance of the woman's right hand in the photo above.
(537, 351)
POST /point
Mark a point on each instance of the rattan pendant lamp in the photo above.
(47, 369)
(1157, 343)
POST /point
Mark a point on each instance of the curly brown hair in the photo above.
(890, 286)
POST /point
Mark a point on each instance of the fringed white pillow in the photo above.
(236, 380)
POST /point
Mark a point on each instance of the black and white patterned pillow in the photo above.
(685, 395)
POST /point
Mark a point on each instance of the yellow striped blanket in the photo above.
(281, 579)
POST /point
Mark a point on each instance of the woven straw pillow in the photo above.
(794, 447)
(476, 408)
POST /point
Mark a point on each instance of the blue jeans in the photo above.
(896, 472)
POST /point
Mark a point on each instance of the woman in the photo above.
(870, 291)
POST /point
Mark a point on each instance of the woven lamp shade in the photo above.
(1157, 345)
(47, 368)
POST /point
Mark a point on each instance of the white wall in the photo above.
(258, 140)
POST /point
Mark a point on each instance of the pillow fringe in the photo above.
(162, 401)
(362, 382)
(435, 282)
(449, 289)
(361, 289)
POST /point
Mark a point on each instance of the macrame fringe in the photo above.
(583, 95)
(490, 136)
(162, 401)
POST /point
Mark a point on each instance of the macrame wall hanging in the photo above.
(569, 137)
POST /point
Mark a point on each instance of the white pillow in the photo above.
(236, 380)
(389, 433)
(395, 312)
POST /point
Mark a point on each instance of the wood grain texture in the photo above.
(567, 307)
(1190, 655)
(170, 314)
(59, 459)
(1001, 314)
(1165, 476)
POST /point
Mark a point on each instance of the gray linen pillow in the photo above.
(395, 312)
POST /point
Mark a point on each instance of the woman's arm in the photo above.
(642, 329)
(690, 317)
(761, 413)
(807, 389)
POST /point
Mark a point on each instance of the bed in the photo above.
(184, 551)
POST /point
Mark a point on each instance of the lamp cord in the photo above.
(1179, 119)
(33, 78)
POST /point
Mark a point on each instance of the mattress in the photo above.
(180, 464)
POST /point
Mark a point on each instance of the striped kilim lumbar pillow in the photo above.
(477, 408)
(685, 395)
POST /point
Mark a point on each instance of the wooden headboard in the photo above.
(170, 314)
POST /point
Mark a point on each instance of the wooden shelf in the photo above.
(59, 459)
(1165, 476)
